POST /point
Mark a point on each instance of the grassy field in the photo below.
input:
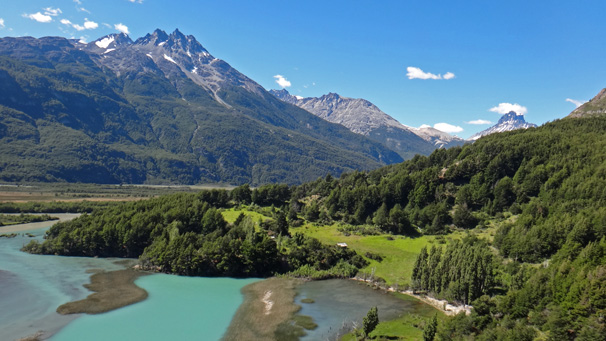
(232, 214)
(398, 252)
(408, 326)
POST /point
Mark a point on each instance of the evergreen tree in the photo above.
(370, 321)
(429, 332)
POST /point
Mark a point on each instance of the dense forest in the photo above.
(186, 234)
(544, 273)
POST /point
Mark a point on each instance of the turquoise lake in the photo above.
(178, 308)
(33, 286)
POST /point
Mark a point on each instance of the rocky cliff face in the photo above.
(508, 122)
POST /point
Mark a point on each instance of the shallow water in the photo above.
(340, 303)
(33, 286)
(178, 308)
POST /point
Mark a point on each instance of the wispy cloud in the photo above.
(78, 2)
(45, 17)
(39, 17)
(479, 122)
(417, 73)
(448, 128)
(504, 108)
(122, 28)
(575, 102)
(1, 23)
(136, 1)
(282, 81)
(53, 12)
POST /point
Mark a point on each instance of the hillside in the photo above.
(160, 109)
(596, 106)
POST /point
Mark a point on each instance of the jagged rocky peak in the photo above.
(156, 38)
(285, 96)
(513, 117)
(176, 41)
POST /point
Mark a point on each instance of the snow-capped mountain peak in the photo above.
(170, 55)
(507, 122)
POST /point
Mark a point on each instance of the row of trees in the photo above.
(463, 272)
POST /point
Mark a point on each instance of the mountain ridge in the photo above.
(363, 117)
(107, 112)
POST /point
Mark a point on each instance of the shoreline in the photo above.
(38, 225)
(267, 306)
(442, 305)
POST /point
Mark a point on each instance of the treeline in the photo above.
(54, 206)
(186, 234)
(9, 219)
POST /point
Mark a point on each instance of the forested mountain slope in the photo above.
(548, 272)
(157, 110)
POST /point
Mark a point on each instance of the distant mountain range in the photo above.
(160, 109)
(362, 117)
(507, 122)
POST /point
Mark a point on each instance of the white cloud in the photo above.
(1, 23)
(573, 101)
(282, 81)
(53, 12)
(66, 22)
(449, 75)
(136, 1)
(78, 2)
(448, 128)
(39, 17)
(90, 25)
(417, 73)
(479, 122)
(122, 28)
(82, 9)
(424, 126)
(504, 108)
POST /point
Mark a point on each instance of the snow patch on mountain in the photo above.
(104, 43)
(170, 59)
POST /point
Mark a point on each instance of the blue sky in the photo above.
(536, 54)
